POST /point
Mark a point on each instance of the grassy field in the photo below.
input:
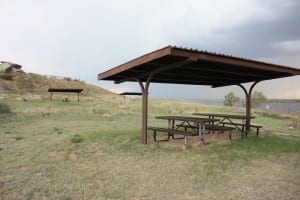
(92, 150)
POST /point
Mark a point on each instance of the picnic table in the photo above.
(197, 124)
(228, 119)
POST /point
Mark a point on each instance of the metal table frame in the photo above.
(200, 123)
(228, 117)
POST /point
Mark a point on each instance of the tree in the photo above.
(257, 98)
(230, 99)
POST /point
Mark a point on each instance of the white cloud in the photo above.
(202, 18)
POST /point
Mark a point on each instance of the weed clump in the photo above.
(4, 109)
(76, 139)
(57, 130)
(19, 138)
(67, 198)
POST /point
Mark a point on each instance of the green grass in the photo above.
(93, 150)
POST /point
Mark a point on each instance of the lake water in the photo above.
(214, 102)
(284, 108)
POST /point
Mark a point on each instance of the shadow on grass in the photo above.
(245, 151)
(267, 144)
(242, 149)
(252, 146)
(127, 141)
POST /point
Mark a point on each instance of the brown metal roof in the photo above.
(191, 66)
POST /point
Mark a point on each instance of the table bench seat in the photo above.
(243, 126)
(208, 127)
(171, 132)
(216, 128)
(219, 128)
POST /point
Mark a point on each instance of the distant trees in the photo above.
(230, 99)
(67, 78)
(257, 98)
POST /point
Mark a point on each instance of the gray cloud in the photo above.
(256, 38)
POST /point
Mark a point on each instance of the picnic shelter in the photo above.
(130, 94)
(176, 65)
(65, 90)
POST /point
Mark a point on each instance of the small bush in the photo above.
(76, 139)
(4, 108)
(57, 130)
(19, 138)
(67, 78)
(294, 123)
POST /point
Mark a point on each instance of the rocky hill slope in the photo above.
(30, 84)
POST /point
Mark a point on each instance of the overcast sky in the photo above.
(79, 39)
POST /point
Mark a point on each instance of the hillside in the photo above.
(30, 84)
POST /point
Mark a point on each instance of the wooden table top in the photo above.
(187, 118)
(232, 116)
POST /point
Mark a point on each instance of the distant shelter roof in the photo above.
(131, 93)
(65, 90)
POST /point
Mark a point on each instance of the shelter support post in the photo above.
(144, 89)
(248, 105)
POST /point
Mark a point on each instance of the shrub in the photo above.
(57, 130)
(76, 139)
(67, 78)
(4, 108)
(19, 138)
(294, 123)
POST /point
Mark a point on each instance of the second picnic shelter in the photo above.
(176, 65)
